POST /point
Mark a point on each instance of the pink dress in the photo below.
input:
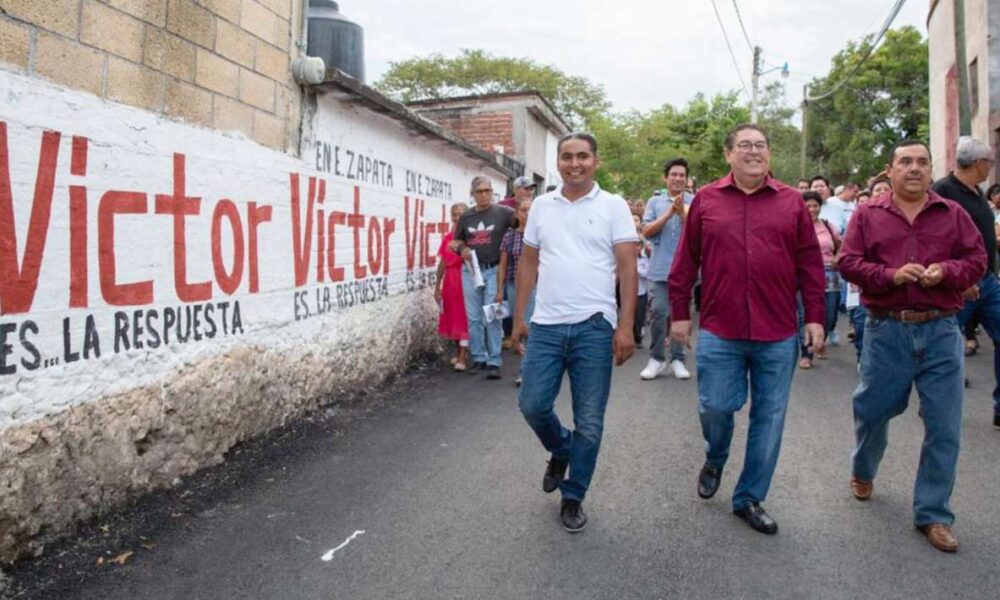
(452, 324)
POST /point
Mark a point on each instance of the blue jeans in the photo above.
(987, 307)
(484, 338)
(723, 370)
(659, 312)
(511, 300)
(583, 349)
(896, 356)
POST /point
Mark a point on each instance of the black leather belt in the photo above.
(912, 316)
(486, 265)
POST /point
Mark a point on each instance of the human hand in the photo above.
(681, 332)
(437, 294)
(932, 276)
(971, 294)
(908, 273)
(517, 334)
(623, 345)
(466, 254)
(814, 337)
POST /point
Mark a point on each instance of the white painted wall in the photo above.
(130, 150)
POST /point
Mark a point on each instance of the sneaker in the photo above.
(834, 338)
(653, 368)
(574, 520)
(477, 367)
(679, 371)
(554, 474)
(517, 381)
(492, 372)
(507, 343)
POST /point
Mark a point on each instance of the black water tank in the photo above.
(336, 39)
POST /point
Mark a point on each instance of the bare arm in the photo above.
(628, 284)
(501, 275)
(527, 274)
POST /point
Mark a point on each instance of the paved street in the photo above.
(444, 481)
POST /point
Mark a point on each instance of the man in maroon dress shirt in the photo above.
(912, 253)
(754, 243)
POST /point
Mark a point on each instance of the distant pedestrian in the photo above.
(752, 240)
(829, 245)
(511, 248)
(578, 237)
(880, 186)
(643, 252)
(481, 230)
(452, 321)
(912, 253)
(974, 162)
(663, 223)
(803, 185)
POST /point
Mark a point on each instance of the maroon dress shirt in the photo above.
(754, 252)
(880, 240)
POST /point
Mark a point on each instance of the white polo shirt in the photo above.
(575, 243)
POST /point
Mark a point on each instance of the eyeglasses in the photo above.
(486, 191)
(745, 147)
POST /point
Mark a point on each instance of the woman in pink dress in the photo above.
(452, 323)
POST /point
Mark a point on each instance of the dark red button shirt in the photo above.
(754, 252)
(880, 240)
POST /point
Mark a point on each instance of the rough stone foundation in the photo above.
(67, 467)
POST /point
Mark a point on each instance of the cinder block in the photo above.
(15, 44)
(283, 34)
(60, 16)
(191, 22)
(150, 11)
(231, 115)
(69, 63)
(234, 43)
(268, 130)
(166, 52)
(282, 8)
(272, 62)
(217, 74)
(227, 9)
(134, 84)
(256, 90)
(111, 30)
(259, 21)
(189, 103)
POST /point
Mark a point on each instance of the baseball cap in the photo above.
(523, 182)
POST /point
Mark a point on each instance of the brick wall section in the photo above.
(222, 64)
(484, 129)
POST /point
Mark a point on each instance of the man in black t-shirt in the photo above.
(974, 161)
(481, 230)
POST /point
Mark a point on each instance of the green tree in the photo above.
(886, 100)
(577, 100)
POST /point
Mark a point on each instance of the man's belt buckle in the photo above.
(916, 316)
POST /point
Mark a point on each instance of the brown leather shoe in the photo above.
(941, 536)
(862, 490)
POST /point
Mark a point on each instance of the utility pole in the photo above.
(754, 85)
(964, 110)
(805, 130)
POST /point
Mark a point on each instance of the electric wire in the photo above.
(871, 49)
(732, 55)
(739, 17)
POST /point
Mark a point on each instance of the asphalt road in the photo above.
(444, 482)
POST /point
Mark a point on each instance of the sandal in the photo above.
(805, 363)
(459, 366)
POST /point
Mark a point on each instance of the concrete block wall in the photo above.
(484, 129)
(222, 64)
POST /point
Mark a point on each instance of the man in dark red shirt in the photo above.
(754, 243)
(912, 253)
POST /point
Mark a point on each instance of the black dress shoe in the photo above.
(477, 367)
(492, 372)
(554, 474)
(572, 515)
(757, 518)
(708, 481)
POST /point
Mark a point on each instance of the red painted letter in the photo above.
(114, 293)
(180, 206)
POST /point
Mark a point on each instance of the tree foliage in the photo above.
(475, 72)
(886, 100)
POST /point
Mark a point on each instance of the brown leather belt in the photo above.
(912, 316)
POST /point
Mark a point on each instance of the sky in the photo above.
(645, 53)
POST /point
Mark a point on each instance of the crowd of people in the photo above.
(580, 272)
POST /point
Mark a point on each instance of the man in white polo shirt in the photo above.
(577, 237)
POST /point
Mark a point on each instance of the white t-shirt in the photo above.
(834, 213)
(576, 256)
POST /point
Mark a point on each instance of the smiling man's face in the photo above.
(577, 163)
(750, 156)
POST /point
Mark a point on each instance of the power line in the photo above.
(732, 55)
(871, 49)
(739, 17)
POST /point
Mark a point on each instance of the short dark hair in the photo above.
(731, 136)
(675, 162)
(994, 189)
(801, 179)
(811, 195)
(591, 141)
(819, 178)
(905, 143)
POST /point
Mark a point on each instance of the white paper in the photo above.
(495, 311)
(853, 296)
(477, 274)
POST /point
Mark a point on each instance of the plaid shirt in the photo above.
(513, 245)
